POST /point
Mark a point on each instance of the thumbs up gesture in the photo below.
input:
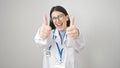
(45, 29)
(72, 31)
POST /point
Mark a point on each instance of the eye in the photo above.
(61, 15)
(54, 18)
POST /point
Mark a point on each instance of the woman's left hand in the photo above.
(72, 31)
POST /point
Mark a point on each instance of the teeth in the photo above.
(59, 24)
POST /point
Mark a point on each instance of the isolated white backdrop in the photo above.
(99, 21)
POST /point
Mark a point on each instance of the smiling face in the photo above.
(59, 20)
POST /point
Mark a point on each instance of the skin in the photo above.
(60, 24)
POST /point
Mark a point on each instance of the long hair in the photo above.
(60, 9)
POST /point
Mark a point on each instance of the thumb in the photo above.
(72, 21)
(45, 21)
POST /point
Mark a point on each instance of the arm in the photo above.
(75, 37)
(43, 34)
(78, 43)
(40, 40)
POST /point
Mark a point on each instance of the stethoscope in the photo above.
(60, 50)
(48, 53)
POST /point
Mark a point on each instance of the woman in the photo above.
(61, 41)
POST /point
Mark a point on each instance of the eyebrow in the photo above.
(58, 15)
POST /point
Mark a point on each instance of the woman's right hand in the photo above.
(45, 29)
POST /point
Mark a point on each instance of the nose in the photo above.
(57, 20)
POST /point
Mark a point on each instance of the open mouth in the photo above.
(59, 24)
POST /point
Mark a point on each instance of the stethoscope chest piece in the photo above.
(48, 53)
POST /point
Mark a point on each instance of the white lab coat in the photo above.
(70, 53)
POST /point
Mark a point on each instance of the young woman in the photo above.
(61, 41)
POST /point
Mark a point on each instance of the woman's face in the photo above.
(59, 20)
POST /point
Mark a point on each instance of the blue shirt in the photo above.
(62, 35)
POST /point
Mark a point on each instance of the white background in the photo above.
(99, 21)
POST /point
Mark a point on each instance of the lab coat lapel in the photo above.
(57, 37)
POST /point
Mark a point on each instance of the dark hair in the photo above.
(61, 9)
